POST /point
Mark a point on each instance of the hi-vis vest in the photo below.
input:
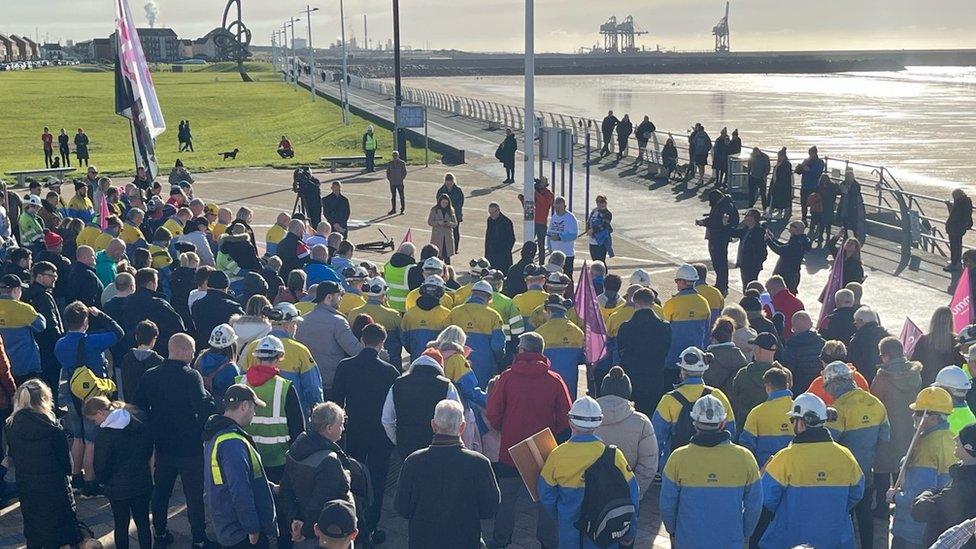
(396, 279)
(218, 477)
(370, 142)
(269, 428)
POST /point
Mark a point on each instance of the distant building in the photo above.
(159, 45)
(6, 49)
(186, 48)
(33, 49)
(300, 44)
(20, 50)
(68, 44)
(52, 51)
(96, 50)
(205, 47)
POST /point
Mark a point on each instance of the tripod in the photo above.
(299, 205)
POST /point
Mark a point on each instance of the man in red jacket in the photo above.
(783, 302)
(543, 206)
(526, 398)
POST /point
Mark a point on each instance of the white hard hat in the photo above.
(810, 408)
(375, 286)
(686, 272)
(837, 369)
(694, 360)
(355, 272)
(222, 336)
(434, 280)
(641, 278)
(269, 346)
(708, 410)
(32, 200)
(586, 413)
(434, 264)
(288, 312)
(482, 286)
(953, 377)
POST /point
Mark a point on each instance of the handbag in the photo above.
(84, 383)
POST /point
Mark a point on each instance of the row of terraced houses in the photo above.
(18, 48)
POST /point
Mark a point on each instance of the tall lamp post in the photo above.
(398, 134)
(528, 186)
(311, 51)
(294, 53)
(344, 85)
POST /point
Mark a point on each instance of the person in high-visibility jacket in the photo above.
(564, 342)
(451, 344)
(238, 493)
(131, 234)
(811, 486)
(513, 325)
(159, 249)
(561, 484)
(714, 297)
(861, 424)
(767, 428)
(556, 283)
(527, 301)
(484, 329)
(277, 425)
(693, 363)
(610, 300)
(375, 289)
(422, 323)
(432, 266)
(353, 297)
(296, 364)
(276, 233)
(714, 476)
(369, 146)
(396, 272)
(479, 269)
(688, 312)
(955, 381)
(926, 467)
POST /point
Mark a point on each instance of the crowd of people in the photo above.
(147, 337)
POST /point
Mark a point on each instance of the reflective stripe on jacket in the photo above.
(269, 428)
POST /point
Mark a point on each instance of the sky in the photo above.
(561, 25)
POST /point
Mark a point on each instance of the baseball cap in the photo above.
(765, 340)
(218, 280)
(326, 288)
(242, 393)
(337, 519)
(11, 281)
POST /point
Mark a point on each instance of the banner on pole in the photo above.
(961, 303)
(834, 282)
(910, 333)
(588, 310)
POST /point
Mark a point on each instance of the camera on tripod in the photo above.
(303, 182)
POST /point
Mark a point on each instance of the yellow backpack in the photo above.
(84, 383)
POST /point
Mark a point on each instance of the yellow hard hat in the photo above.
(211, 208)
(933, 399)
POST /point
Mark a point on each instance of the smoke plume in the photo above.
(152, 12)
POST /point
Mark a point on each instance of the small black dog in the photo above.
(232, 154)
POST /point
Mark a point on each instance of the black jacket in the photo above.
(415, 395)
(122, 460)
(644, 130)
(948, 507)
(335, 208)
(145, 304)
(39, 451)
(293, 254)
(210, 311)
(608, 124)
(506, 151)
(840, 325)
(624, 130)
(445, 491)
(457, 199)
(177, 405)
(515, 279)
(135, 363)
(63, 264)
(181, 283)
(960, 217)
(83, 285)
(643, 343)
(42, 299)
(314, 475)
(499, 240)
(790, 255)
(718, 230)
(752, 247)
(863, 352)
(360, 386)
(240, 249)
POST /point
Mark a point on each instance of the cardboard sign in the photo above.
(529, 457)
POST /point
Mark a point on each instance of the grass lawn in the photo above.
(224, 114)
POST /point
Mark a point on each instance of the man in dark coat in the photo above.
(335, 208)
(41, 296)
(177, 405)
(643, 134)
(759, 168)
(410, 402)
(214, 308)
(790, 254)
(83, 284)
(863, 351)
(606, 128)
(801, 353)
(720, 158)
(515, 279)
(445, 490)
(360, 386)
(840, 323)
(456, 195)
(146, 303)
(624, 130)
(945, 508)
(643, 343)
(292, 251)
(52, 253)
(752, 247)
(499, 239)
(720, 226)
(959, 221)
(506, 155)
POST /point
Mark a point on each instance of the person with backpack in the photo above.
(217, 364)
(587, 486)
(89, 334)
(139, 360)
(672, 421)
(710, 473)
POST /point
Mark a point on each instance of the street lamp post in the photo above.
(528, 186)
(398, 134)
(344, 85)
(311, 51)
(294, 53)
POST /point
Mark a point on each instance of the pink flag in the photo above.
(961, 302)
(407, 237)
(909, 336)
(103, 212)
(588, 310)
(834, 282)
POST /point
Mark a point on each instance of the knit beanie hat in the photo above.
(52, 239)
(616, 383)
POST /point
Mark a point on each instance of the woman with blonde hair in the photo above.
(39, 453)
(936, 349)
(253, 325)
(123, 449)
(743, 332)
(451, 343)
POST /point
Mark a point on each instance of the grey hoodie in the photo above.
(632, 432)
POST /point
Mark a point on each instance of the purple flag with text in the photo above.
(588, 310)
(135, 96)
(910, 334)
(834, 282)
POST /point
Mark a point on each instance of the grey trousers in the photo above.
(512, 489)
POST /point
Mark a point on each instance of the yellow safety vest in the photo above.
(256, 469)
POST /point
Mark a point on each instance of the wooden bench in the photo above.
(335, 161)
(22, 175)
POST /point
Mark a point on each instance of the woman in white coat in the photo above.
(626, 428)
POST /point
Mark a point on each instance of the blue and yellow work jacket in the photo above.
(483, 327)
(421, 326)
(715, 299)
(19, 322)
(560, 485)
(274, 235)
(528, 301)
(767, 429)
(564, 349)
(297, 366)
(927, 469)
(458, 370)
(689, 316)
(389, 320)
(862, 423)
(669, 409)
